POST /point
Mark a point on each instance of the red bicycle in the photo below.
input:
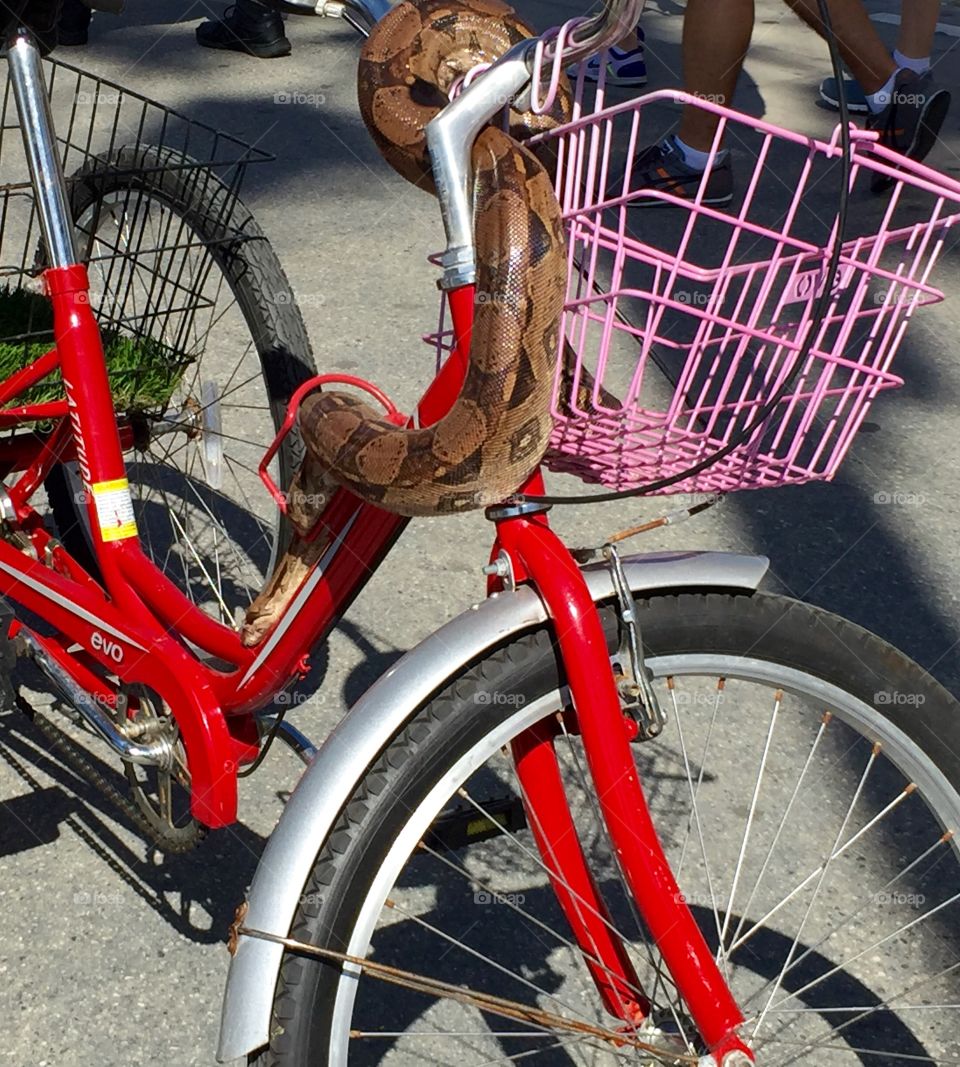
(625, 809)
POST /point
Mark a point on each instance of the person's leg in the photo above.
(906, 108)
(716, 36)
(860, 45)
(918, 24)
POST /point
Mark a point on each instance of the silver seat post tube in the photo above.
(43, 159)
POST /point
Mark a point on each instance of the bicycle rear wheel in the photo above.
(805, 790)
(175, 257)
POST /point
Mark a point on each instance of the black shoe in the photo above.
(909, 124)
(73, 24)
(246, 27)
(661, 167)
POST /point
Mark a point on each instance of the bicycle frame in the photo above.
(139, 627)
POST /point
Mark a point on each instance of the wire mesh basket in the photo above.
(683, 320)
(122, 154)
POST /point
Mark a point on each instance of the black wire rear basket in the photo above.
(124, 156)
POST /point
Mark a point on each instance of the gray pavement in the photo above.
(110, 956)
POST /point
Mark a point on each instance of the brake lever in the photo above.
(361, 14)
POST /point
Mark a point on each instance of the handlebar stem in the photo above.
(450, 138)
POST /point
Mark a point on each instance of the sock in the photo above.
(878, 101)
(918, 66)
(693, 157)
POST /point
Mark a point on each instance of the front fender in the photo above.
(330, 780)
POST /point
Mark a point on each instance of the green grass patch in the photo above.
(143, 372)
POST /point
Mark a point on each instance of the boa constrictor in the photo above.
(498, 428)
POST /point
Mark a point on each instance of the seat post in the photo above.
(43, 159)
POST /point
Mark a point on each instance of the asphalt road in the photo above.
(111, 956)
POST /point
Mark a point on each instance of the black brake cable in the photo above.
(819, 312)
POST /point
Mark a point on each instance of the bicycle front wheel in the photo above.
(211, 347)
(805, 791)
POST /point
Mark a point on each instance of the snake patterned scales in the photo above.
(498, 428)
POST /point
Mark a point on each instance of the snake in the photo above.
(497, 430)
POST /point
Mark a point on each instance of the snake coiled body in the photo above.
(497, 430)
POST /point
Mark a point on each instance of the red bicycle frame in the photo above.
(135, 625)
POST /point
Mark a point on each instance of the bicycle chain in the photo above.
(75, 754)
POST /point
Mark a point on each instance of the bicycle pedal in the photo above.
(455, 829)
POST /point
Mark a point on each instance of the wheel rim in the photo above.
(807, 988)
(204, 517)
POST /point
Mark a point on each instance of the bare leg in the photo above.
(860, 45)
(716, 36)
(918, 24)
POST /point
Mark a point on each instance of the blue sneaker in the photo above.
(623, 68)
(856, 98)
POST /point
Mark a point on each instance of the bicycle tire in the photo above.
(240, 251)
(758, 633)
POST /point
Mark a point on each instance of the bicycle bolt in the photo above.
(498, 568)
(737, 1059)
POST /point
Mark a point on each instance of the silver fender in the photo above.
(329, 781)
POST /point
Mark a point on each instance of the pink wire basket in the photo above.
(683, 320)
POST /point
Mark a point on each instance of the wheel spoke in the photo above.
(527, 916)
(656, 965)
(870, 948)
(748, 828)
(821, 869)
(787, 811)
(541, 866)
(694, 809)
(780, 1012)
(825, 866)
(173, 266)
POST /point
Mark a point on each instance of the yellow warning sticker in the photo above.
(114, 509)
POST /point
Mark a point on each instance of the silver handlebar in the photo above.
(451, 134)
(361, 14)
